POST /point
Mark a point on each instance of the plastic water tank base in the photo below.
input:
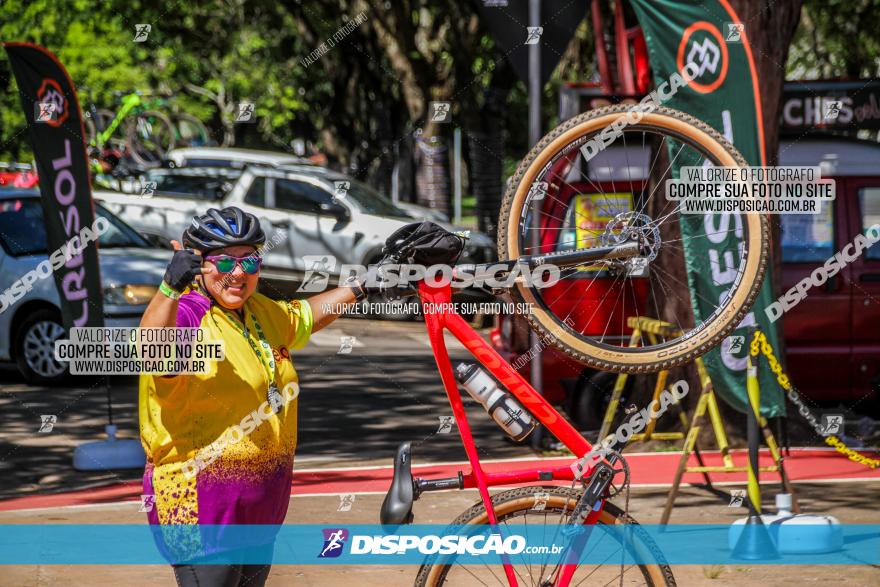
(109, 454)
(795, 533)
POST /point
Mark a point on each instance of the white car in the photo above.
(311, 213)
(131, 271)
(228, 157)
(222, 157)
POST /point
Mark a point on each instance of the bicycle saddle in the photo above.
(397, 507)
(423, 243)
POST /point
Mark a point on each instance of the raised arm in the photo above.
(185, 265)
(328, 306)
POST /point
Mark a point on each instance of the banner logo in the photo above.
(703, 46)
(50, 94)
(334, 540)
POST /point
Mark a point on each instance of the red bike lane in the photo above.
(647, 470)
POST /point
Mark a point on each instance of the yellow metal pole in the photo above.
(619, 385)
(658, 387)
(754, 489)
(690, 443)
(754, 543)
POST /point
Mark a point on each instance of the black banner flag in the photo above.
(508, 22)
(56, 130)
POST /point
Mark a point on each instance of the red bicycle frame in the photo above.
(436, 299)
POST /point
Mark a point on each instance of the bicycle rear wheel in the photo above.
(518, 506)
(149, 138)
(98, 123)
(190, 131)
(561, 199)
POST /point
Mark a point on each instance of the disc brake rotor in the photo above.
(633, 227)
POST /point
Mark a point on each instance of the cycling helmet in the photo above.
(228, 227)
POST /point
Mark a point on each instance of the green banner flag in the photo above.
(724, 94)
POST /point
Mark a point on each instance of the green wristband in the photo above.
(166, 289)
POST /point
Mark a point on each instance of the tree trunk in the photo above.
(382, 157)
(405, 156)
(432, 172)
(485, 166)
(770, 29)
(486, 156)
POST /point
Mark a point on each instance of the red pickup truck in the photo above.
(832, 338)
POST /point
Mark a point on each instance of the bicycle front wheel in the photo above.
(567, 195)
(523, 507)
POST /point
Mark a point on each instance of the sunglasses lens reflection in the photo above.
(250, 265)
(225, 264)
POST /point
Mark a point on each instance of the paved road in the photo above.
(355, 408)
(850, 502)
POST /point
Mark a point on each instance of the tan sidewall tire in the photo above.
(643, 360)
(429, 576)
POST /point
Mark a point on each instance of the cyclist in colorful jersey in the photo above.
(220, 445)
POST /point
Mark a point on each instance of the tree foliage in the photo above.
(366, 93)
(836, 38)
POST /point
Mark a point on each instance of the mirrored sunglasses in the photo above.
(226, 264)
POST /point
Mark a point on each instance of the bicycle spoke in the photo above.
(611, 313)
(521, 557)
(621, 575)
(472, 574)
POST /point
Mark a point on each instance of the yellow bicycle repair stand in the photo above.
(652, 328)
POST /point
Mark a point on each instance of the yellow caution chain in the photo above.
(762, 345)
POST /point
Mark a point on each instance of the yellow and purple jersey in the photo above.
(182, 418)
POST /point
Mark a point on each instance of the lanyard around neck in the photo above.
(263, 350)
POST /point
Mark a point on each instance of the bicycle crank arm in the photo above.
(596, 488)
